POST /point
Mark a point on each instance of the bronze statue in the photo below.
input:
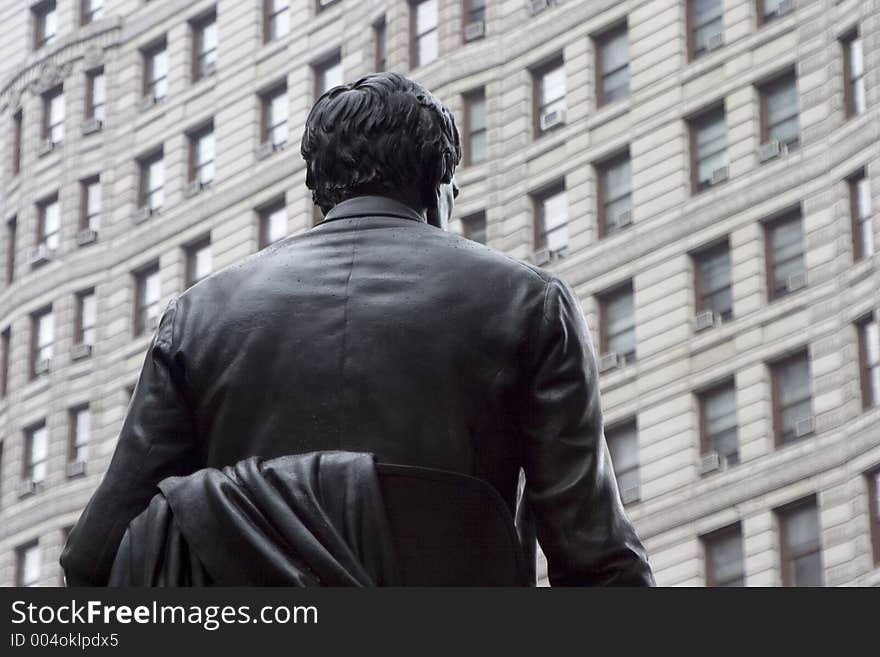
(379, 332)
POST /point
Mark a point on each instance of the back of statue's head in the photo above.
(382, 135)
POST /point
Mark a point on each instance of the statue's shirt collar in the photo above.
(373, 206)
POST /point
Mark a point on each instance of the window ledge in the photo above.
(609, 112)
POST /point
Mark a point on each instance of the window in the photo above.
(45, 23)
(273, 223)
(874, 511)
(49, 223)
(706, 26)
(423, 27)
(551, 219)
(152, 193)
(96, 95)
(718, 423)
(792, 401)
(274, 123)
(785, 254)
(84, 332)
(53, 115)
(156, 71)
(801, 544)
(770, 10)
(42, 340)
(860, 211)
(854, 74)
(204, 41)
(612, 65)
(474, 227)
(617, 330)
(724, 557)
(708, 136)
(17, 123)
(276, 19)
(6, 345)
(380, 39)
(146, 303)
(549, 93)
(80, 420)
(623, 445)
(779, 111)
(198, 261)
(11, 232)
(475, 126)
(474, 19)
(201, 155)
(27, 568)
(90, 203)
(614, 194)
(36, 453)
(712, 281)
(328, 74)
(869, 359)
(91, 10)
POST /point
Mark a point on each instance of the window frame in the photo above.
(699, 258)
(766, 88)
(40, 13)
(11, 245)
(35, 346)
(866, 368)
(191, 261)
(539, 198)
(264, 214)
(468, 222)
(471, 14)
(145, 194)
(87, 218)
(785, 555)
(856, 218)
(470, 98)
(692, 27)
(776, 394)
(48, 128)
(538, 74)
(197, 27)
(29, 465)
(5, 359)
(149, 83)
(626, 427)
(74, 445)
(708, 540)
(697, 122)
(791, 215)
(93, 110)
(87, 13)
(195, 167)
(320, 69)
(44, 237)
(269, 17)
(603, 168)
(80, 329)
(141, 276)
(873, 475)
(415, 37)
(266, 99)
(849, 79)
(20, 552)
(380, 44)
(18, 135)
(706, 440)
(600, 41)
(604, 298)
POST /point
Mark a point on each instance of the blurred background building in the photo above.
(703, 172)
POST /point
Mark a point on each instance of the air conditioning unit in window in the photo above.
(40, 255)
(80, 351)
(552, 118)
(475, 30)
(76, 468)
(541, 257)
(28, 487)
(86, 236)
(610, 361)
(623, 219)
(630, 495)
(147, 102)
(91, 125)
(536, 6)
(46, 146)
(796, 281)
(265, 149)
(771, 149)
(715, 42)
(710, 462)
(42, 366)
(804, 426)
(192, 188)
(785, 7)
(209, 69)
(706, 320)
(719, 175)
(142, 214)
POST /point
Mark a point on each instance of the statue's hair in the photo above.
(380, 135)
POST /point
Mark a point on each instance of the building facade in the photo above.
(702, 172)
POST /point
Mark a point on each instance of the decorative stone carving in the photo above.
(50, 75)
(93, 56)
